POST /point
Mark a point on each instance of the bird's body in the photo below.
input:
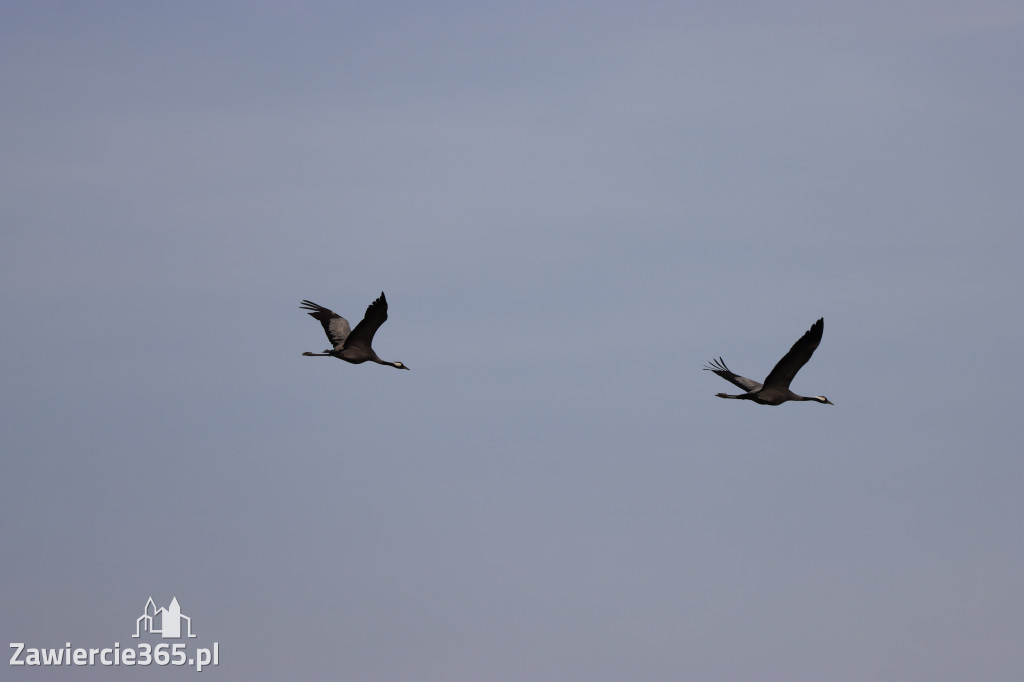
(775, 389)
(351, 345)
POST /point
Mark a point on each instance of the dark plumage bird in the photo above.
(352, 345)
(775, 389)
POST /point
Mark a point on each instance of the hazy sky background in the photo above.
(571, 207)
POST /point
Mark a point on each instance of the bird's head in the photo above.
(823, 400)
(398, 365)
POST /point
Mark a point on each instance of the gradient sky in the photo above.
(571, 207)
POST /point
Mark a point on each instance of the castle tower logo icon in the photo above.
(165, 622)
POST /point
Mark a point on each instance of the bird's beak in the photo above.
(829, 402)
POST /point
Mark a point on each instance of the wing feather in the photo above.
(797, 357)
(335, 326)
(362, 335)
(718, 367)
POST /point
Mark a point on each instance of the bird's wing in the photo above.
(334, 324)
(797, 357)
(376, 315)
(718, 367)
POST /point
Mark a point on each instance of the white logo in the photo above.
(169, 620)
(165, 622)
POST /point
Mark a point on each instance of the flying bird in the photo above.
(352, 345)
(775, 389)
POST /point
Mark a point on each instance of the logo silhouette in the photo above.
(169, 620)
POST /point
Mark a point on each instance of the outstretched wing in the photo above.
(362, 335)
(797, 357)
(718, 367)
(334, 324)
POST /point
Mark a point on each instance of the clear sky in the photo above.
(571, 206)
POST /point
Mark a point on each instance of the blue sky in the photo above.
(571, 207)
